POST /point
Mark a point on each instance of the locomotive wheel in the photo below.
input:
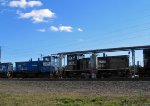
(9, 74)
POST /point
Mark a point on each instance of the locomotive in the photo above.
(78, 66)
(107, 66)
(40, 68)
(113, 66)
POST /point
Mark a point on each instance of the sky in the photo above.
(29, 28)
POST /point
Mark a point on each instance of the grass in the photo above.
(13, 99)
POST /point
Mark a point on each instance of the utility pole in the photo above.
(41, 56)
(0, 54)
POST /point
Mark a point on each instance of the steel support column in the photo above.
(64, 60)
(93, 61)
(133, 61)
(60, 61)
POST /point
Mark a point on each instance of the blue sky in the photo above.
(29, 28)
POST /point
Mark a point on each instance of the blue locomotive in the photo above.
(39, 68)
(5, 68)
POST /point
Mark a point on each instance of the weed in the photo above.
(97, 100)
(11, 99)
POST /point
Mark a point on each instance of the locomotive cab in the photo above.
(77, 66)
(5, 68)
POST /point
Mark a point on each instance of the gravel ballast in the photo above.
(98, 88)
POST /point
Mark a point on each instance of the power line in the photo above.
(74, 42)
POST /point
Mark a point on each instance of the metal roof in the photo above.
(107, 50)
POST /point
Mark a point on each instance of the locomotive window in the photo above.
(3, 67)
(47, 59)
(71, 57)
(19, 66)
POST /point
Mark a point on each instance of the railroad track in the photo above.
(71, 79)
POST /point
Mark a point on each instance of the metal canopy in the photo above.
(107, 50)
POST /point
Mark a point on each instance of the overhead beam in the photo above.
(107, 50)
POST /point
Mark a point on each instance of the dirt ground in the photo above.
(85, 88)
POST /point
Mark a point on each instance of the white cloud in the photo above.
(61, 28)
(65, 28)
(24, 3)
(53, 28)
(41, 30)
(38, 16)
(80, 30)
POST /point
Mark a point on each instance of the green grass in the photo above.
(13, 99)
